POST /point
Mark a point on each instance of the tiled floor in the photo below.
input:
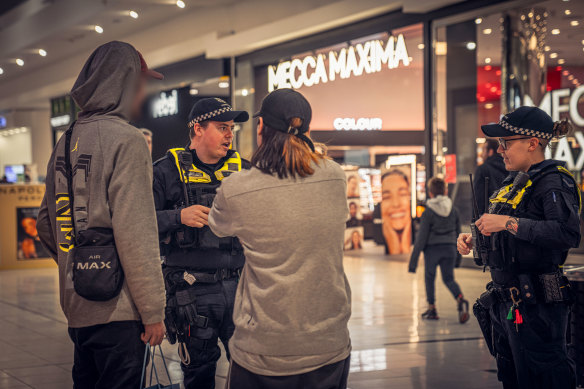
(392, 347)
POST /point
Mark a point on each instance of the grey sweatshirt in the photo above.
(439, 225)
(112, 189)
(293, 300)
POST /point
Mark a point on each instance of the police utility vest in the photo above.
(513, 256)
(200, 188)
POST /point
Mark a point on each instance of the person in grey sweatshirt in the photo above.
(293, 300)
(112, 191)
(436, 237)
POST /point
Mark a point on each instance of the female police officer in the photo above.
(532, 223)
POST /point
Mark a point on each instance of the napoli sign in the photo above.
(363, 58)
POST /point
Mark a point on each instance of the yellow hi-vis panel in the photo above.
(196, 175)
(501, 195)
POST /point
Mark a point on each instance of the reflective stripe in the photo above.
(196, 175)
(503, 192)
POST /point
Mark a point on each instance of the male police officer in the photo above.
(532, 222)
(201, 270)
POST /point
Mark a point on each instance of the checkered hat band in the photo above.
(525, 131)
(209, 115)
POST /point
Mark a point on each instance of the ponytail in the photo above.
(562, 128)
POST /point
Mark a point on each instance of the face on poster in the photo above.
(397, 205)
(353, 181)
(29, 245)
(354, 238)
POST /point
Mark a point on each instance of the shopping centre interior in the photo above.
(398, 90)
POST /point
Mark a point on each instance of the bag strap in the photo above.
(69, 174)
(153, 367)
(146, 353)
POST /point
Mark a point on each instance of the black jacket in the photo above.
(549, 224)
(494, 168)
(168, 192)
(435, 229)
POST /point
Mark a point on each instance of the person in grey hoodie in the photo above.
(439, 228)
(293, 300)
(112, 190)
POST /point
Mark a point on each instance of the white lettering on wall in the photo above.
(165, 104)
(358, 124)
(363, 58)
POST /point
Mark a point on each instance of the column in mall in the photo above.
(244, 100)
(461, 103)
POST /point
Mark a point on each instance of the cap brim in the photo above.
(236, 116)
(154, 74)
(496, 131)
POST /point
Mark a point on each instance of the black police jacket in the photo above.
(549, 223)
(169, 200)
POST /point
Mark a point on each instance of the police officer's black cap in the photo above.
(526, 121)
(280, 106)
(215, 109)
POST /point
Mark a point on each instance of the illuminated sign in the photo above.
(2, 122)
(358, 124)
(59, 121)
(368, 57)
(165, 104)
(553, 103)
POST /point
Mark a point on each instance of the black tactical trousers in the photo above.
(108, 356)
(532, 355)
(215, 301)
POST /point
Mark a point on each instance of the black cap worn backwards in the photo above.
(280, 106)
(213, 108)
(528, 121)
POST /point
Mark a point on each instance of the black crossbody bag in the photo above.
(97, 272)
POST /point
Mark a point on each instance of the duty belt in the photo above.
(210, 278)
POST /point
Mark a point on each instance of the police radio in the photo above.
(186, 236)
(480, 248)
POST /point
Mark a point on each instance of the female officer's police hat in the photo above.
(215, 109)
(526, 121)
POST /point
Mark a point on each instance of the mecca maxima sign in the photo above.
(552, 104)
(368, 57)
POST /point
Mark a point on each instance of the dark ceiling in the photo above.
(7, 5)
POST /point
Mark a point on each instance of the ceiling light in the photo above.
(1, 71)
(554, 55)
(487, 31)
(19, 62)
(134, 14)
(42, 53)
(568, 12)
(223, 85)
(180, 4)
(98, 29)
(487, 60)
(471, 45)
(574, 23)
(565, 73)
(478, 20)
(561, 61)
(421, 46)
(571, 77)
(547, 48)
(193, 92)
(244, 92)
(556, 31)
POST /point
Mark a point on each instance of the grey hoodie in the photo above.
(439, 225)
(112, 185)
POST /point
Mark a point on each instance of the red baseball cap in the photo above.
(148, 72)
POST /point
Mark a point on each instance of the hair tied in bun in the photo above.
(562, 128)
